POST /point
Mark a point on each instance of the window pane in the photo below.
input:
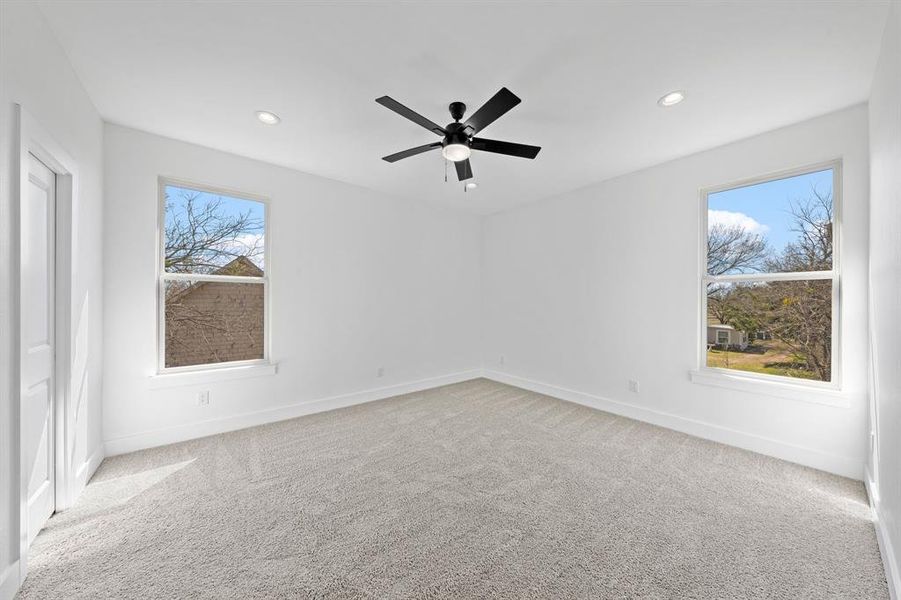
(778, 328)
(213, 322)
(210, 233)
(777, 226)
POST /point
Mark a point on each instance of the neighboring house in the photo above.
(216, 321)
(726, 336)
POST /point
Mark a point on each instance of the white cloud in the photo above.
(728, 218)
(248, 241)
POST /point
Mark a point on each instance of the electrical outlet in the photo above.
(634, 386)
(502, 359)
(203, 398)
(380, 372)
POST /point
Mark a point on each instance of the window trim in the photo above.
(162, 277)
(703, 373)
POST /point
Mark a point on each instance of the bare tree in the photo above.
(202, 237)
(734, 249)
(812, 251)
(731, 249)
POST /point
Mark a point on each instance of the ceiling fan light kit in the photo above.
(456, 152)
(458, 139)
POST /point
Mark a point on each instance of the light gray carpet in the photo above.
(468, 491)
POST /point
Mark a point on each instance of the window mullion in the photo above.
(752, 277)
(214, 278)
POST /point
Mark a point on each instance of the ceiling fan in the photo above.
(458, 138)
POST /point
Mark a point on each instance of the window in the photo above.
(770, 280)
(213, 283)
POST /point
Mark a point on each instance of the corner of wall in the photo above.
(890, 558)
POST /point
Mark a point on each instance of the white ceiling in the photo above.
(589, 75)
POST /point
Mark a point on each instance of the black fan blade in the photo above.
(509, 148)
(411, 152)
(499, 104)
(414, 116)
(464, 170)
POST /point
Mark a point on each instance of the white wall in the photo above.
(885, 291)
(358, 281)
(35, 73)
(590, 289)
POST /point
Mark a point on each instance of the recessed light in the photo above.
(269, 118)
(672, 98)
(472, 185)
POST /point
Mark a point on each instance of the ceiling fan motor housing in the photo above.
(456, 134)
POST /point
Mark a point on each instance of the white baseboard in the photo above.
(9, 581)
(797, 454)
(886, 549)
(181, 433)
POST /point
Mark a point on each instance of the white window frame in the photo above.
(162, 277)
(720, 343)
(708, 374)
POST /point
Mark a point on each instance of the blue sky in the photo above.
(764, 208)
(230, 206)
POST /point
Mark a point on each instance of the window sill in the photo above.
(211, 375)
(829, 396)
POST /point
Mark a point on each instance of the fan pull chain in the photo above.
(445, 170)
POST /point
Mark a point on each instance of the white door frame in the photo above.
(33, 139)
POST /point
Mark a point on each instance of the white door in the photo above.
(38, 310)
